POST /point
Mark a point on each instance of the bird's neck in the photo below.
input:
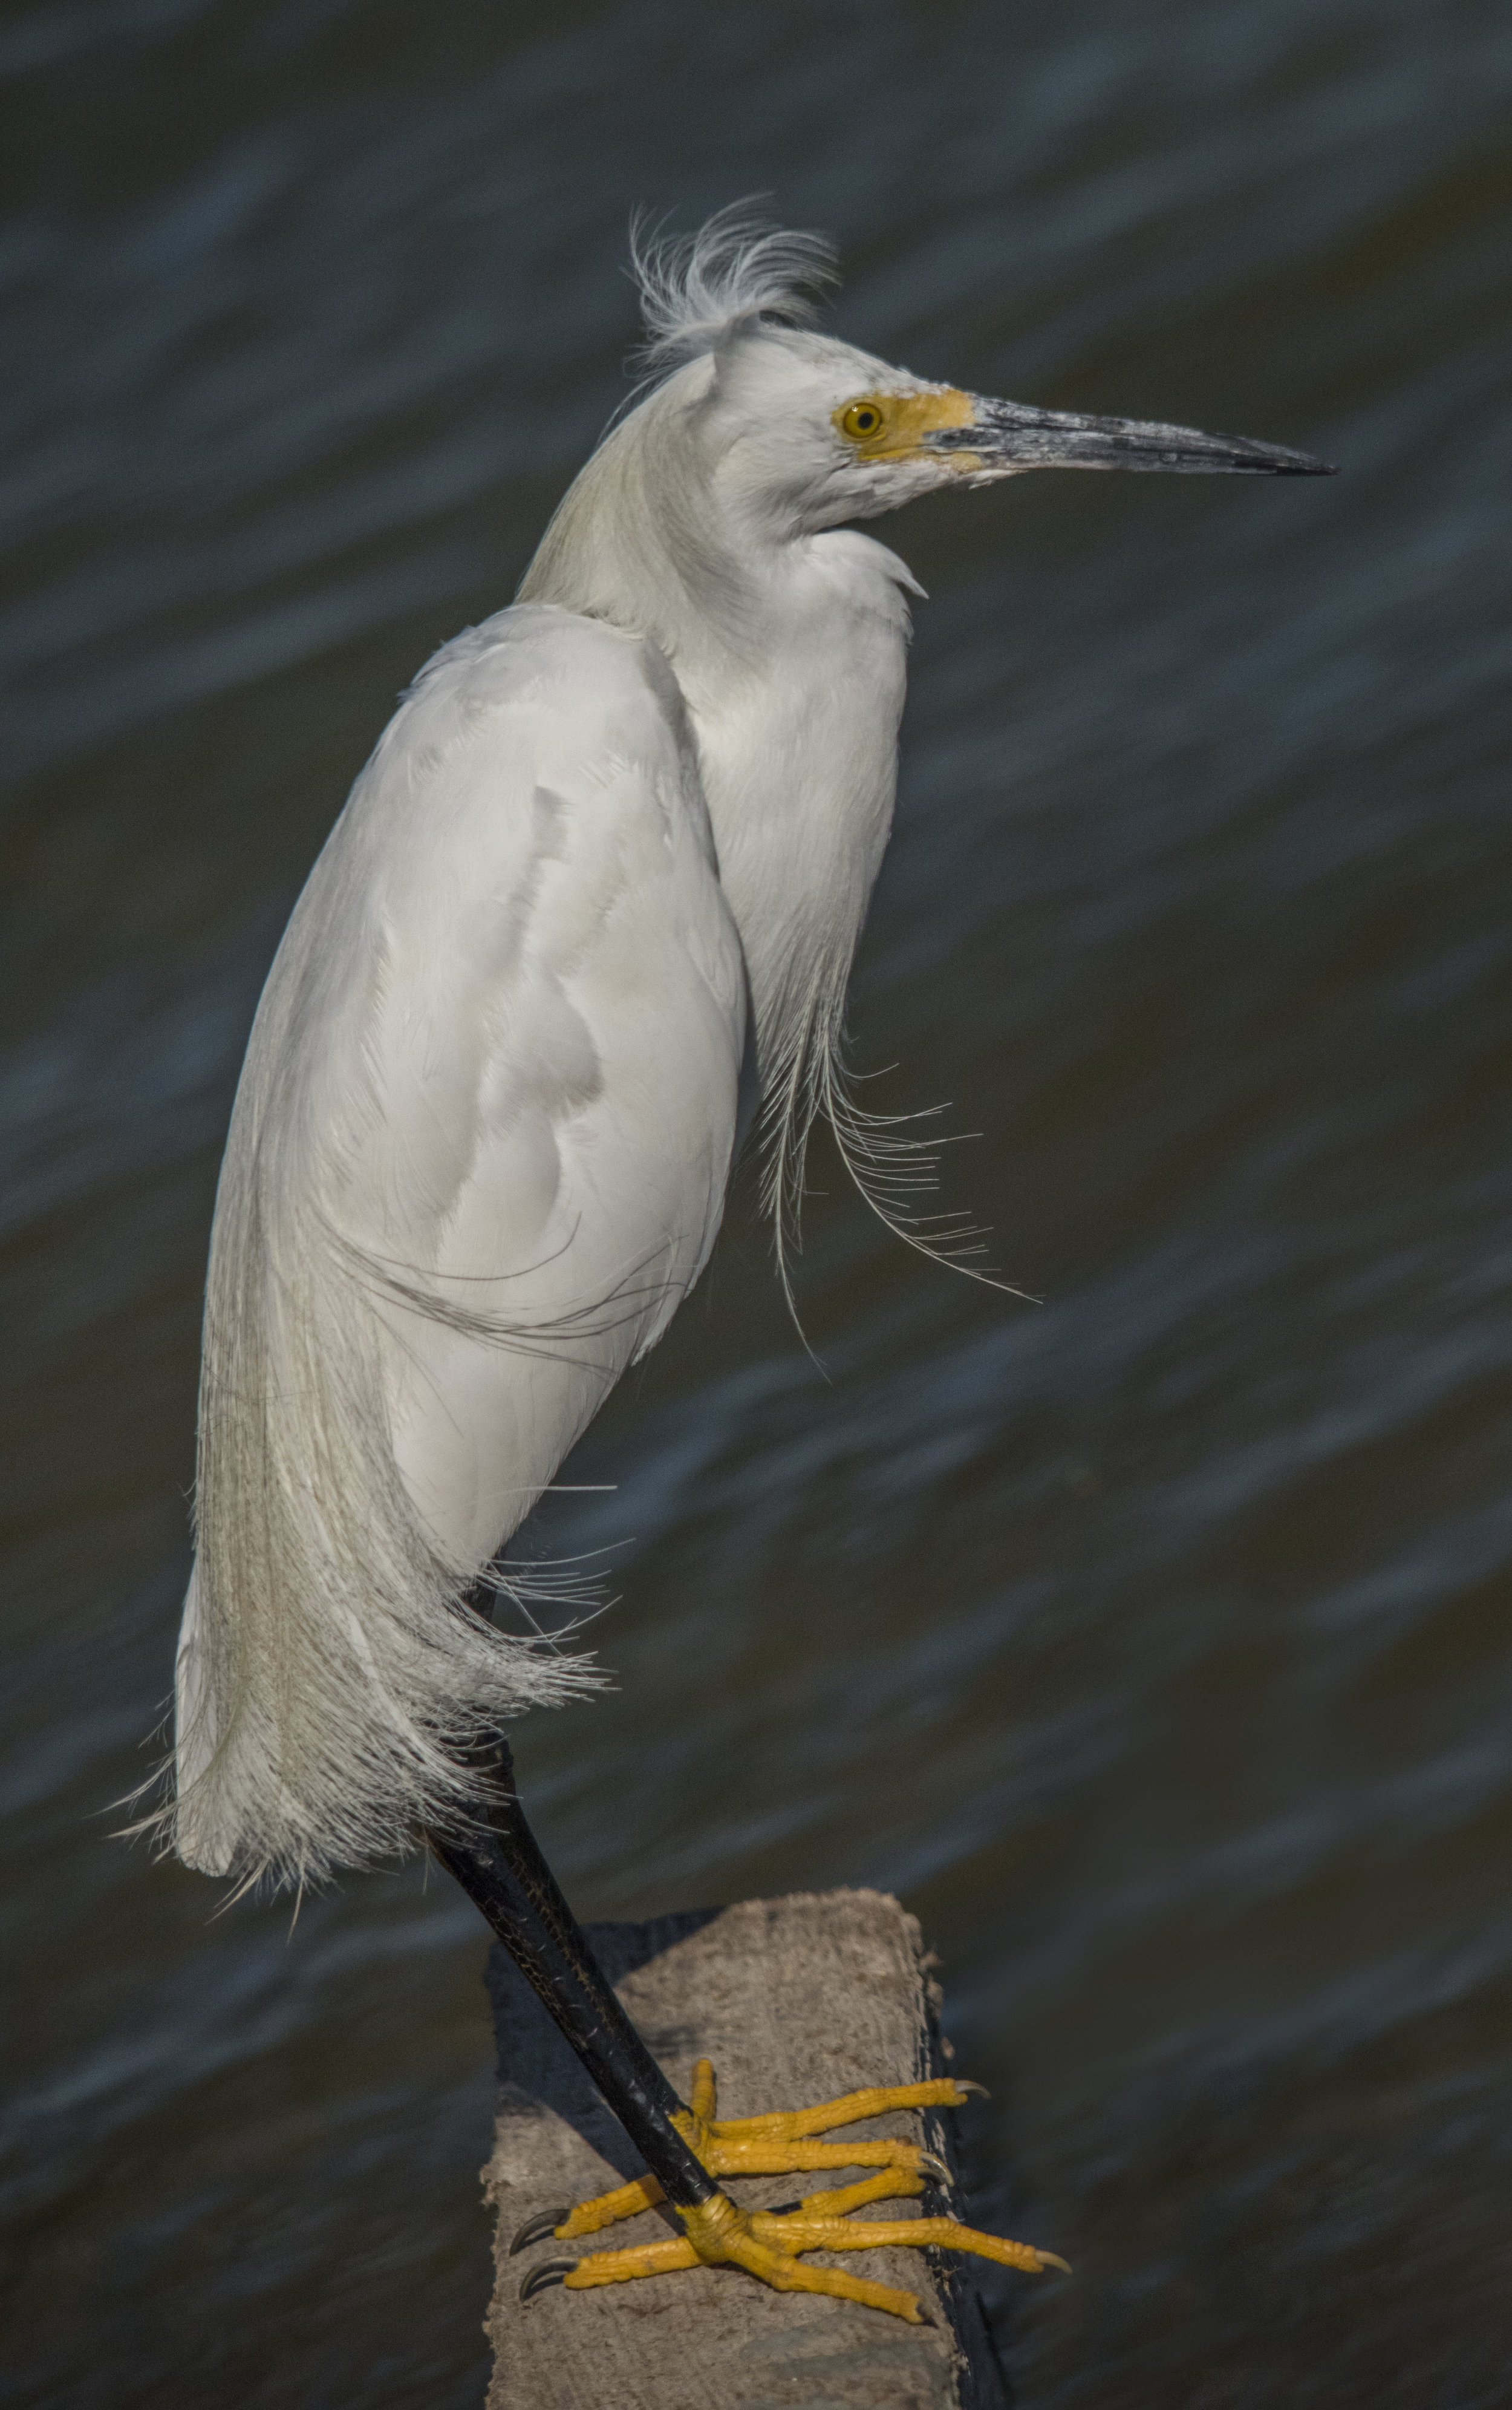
(789, 653)
(645, 539)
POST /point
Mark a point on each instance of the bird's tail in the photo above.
(331, 1675)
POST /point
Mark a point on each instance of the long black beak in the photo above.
(1007, 436)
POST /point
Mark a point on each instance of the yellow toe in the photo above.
(769, 2243)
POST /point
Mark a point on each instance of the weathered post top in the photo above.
(794, 1999)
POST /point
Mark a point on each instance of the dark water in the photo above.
(1152, 1640)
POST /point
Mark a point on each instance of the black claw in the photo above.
(543, 2276)
(534, 2230)
(783, 2208)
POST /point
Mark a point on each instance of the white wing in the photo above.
(478, 1157)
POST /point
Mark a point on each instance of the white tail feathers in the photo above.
(330, 1675)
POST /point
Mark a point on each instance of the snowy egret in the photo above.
(589, 908)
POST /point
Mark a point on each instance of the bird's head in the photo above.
(803, 431)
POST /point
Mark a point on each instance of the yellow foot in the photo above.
(766, 2243)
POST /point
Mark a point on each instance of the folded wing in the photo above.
(478, 1157)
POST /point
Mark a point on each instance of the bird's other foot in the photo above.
(768, 2242)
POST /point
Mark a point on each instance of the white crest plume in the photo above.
(696, 288)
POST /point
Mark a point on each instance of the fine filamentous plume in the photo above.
(694, 289)
(588, 916)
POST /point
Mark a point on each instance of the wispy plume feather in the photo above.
(696, 288)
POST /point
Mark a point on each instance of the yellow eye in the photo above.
(863, 420)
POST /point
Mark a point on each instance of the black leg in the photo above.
(499, 1866)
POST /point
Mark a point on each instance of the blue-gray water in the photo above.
(1151, 1640)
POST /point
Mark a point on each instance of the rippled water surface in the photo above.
(1152, 1640)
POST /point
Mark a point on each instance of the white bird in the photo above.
(592, 903)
